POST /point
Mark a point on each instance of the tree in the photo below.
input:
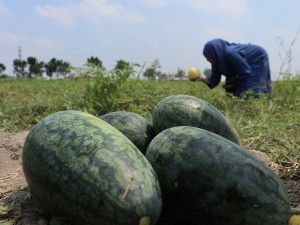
(150, 73)
(162, 76)
(19, 67)
(95, 61)
(63, 68)
(122, 64)
(51, 67)
(35, 67)
(2, 68)
(180, 74)
(207, 73)
(124, 69)
(153, 72)
(59, 67)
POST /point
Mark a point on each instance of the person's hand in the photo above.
(230, 83)
(228, 86)
(205, 80)
(199, 79)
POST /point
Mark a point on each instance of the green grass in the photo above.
(270, 125)
(24, 102)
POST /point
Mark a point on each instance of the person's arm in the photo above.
(204, 80)
(214, 79)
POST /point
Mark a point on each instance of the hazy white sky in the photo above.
(140, 31)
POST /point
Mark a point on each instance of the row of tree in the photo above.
(33, 68)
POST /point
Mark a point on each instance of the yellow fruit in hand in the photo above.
(194, 73)
(295, 220)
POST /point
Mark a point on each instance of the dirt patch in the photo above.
(11, 172)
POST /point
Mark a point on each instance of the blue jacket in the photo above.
(244, 65)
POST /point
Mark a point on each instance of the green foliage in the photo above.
(104, 87)
(122, 64)
(180, 74)
(271, 125)
(35, 67)
(19, 67)
(59, 67)
(2, 68)
(207, 73)
(153, 71)
(94, 61)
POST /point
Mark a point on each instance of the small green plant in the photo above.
(104, 87)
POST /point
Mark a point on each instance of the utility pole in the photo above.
(21, 62)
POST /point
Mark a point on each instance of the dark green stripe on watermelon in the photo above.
(134, 126)
(207, 179)
(83, 169)
(186, 110)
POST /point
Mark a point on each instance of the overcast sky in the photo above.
(140, 31)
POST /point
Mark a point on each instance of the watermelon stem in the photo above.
(145, 220)
(295, 211)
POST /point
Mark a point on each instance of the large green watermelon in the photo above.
(86, 171)
(186, 110)
(134, 126)
(207, 179)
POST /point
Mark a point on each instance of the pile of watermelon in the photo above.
(185, 167)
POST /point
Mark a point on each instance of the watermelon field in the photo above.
(269, 128)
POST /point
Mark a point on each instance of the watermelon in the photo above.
(134, 126)
(207, 179)
(84, 170)
(186, 110)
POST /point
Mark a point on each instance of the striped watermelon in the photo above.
(86, 171)
(134, 126)
(186, 110)
(207, 179)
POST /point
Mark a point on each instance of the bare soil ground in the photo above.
(13, 186)
(11, 172)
